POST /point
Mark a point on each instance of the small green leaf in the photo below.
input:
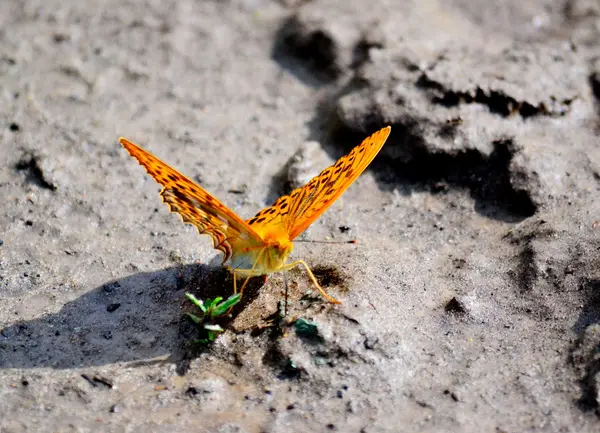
(197, 302)
(213, 328)
(193, 299)
(213, 302)
(212, 309)
(194, 318)
(225, 306)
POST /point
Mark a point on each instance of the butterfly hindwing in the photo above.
(195, 205)
(304, 205)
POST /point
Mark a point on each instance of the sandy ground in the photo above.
(471, 301)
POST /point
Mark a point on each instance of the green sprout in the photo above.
(211, 309)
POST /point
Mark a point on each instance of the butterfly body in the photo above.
(262, 244)
(267, 259)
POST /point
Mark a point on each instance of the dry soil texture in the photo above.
(471, 301)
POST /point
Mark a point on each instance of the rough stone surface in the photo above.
(471, 298)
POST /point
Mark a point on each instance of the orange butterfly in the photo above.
(260, 245)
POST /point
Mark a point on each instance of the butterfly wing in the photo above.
(196, 206)
(304, 205)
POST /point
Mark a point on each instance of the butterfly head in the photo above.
(277, 251)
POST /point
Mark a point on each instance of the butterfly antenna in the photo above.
(353, 241)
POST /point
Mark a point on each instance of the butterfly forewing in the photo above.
(304, 205)
(195, 205)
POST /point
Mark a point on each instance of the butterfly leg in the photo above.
(244, 286)
(256, 262)
(312, 277)
(235, 289)
(235, 284)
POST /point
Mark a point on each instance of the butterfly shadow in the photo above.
(136, 319)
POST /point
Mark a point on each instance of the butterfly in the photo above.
(262, 244)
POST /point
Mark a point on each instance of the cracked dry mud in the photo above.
(471, 299)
